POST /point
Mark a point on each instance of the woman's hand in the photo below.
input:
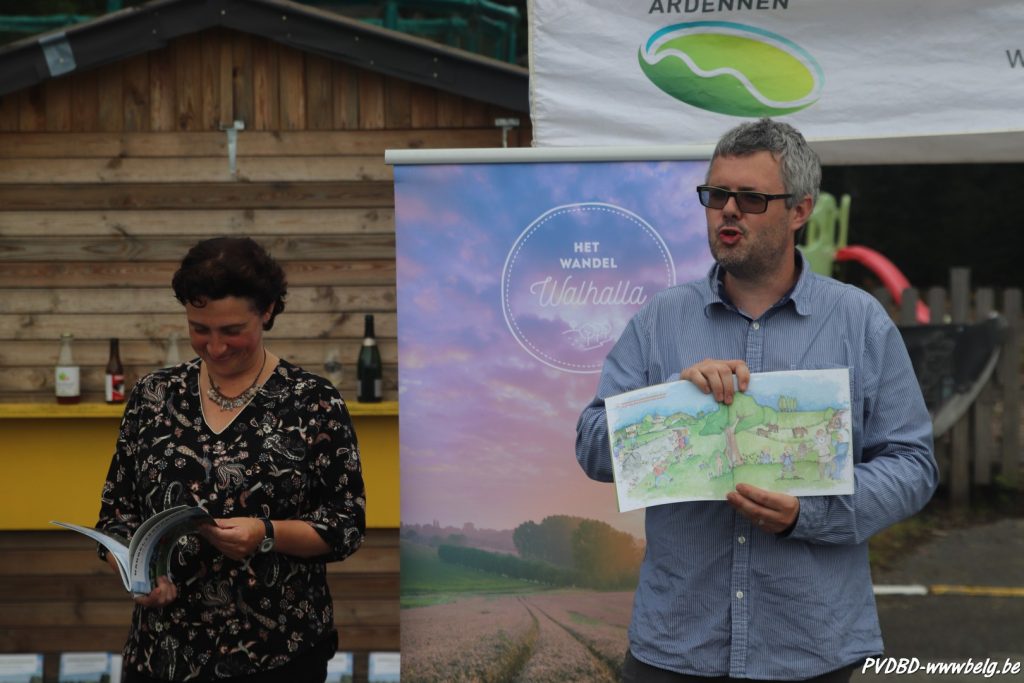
(161, 596)
(235, 537)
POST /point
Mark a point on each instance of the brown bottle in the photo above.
(113, 379)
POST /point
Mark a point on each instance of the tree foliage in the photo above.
(550, 541)
(605, 557)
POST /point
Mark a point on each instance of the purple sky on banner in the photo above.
(490, 393)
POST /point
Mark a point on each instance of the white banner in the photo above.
(615, 72)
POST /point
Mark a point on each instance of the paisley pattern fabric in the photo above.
(291, 453)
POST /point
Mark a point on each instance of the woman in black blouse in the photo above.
(269, 450)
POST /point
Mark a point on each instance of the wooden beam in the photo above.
(292, 89)
(46, 326)
(148, 354)
(110, 91)
(112, 274)
(73, 300)
(162, 100)
(136, 95)
(192, 170)
(188, 73)
(32, 109)
(340, 194)
(319, 93)
(198, 224)
(209, 117)
(85, 102)
(241, 84)
(306, 247)
(371, 100)
(250, 143)
(265, 86)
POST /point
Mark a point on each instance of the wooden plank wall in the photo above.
(56, 596)
(107, 177)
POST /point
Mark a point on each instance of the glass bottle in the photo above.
(332, 366)
(67, 382)
(113, 379)
(173, 357)
(369, 368)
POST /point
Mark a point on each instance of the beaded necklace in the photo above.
(233, 402)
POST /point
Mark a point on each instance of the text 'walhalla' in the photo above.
(552, 292)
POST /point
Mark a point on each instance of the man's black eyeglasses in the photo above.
(748, 202)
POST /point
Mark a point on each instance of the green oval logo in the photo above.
(732, 69)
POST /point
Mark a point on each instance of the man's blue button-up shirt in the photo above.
(717, 596)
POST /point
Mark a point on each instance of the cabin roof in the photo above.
(151, 26)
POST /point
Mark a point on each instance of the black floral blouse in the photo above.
(291, 453)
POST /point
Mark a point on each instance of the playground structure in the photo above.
(825, 243)
(952, 361)
(967, 362)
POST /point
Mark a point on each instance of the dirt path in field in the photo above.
(559, 655)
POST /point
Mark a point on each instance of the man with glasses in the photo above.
(764, 585)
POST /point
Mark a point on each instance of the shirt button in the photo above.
(756, 325)
(739, 594)
(742, 539)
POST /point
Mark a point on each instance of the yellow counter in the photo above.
(54, 459)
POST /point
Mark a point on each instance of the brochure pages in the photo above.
(789, 432)
(84, 667)
(339, 668)
(21, 668)
(145, 557)
(384, 667)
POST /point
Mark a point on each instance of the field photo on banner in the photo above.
(514, 282)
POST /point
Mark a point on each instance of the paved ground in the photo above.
(986, 629)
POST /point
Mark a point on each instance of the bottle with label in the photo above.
(113, 380)
(66, 374)
(369, 368)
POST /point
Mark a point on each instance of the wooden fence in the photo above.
(982, 447)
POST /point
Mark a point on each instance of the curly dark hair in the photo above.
(231, 266)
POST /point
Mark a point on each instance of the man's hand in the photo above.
(771, 512)
(236, 537)
(715, 377)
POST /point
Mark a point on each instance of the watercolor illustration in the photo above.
(789, 432)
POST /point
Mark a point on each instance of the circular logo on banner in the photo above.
(731, 68)
(576, 276)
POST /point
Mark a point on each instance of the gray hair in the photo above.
(800, 166)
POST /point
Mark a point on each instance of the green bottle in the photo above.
(369, 369)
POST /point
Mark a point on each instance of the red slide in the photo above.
(886, 271)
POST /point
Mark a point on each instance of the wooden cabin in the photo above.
(125, 140)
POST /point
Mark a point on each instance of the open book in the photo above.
(146, 556)
(789, 432)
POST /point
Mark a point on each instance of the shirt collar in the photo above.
(800, 295)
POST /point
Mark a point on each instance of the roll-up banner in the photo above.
(913, 75)
(515, 278)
